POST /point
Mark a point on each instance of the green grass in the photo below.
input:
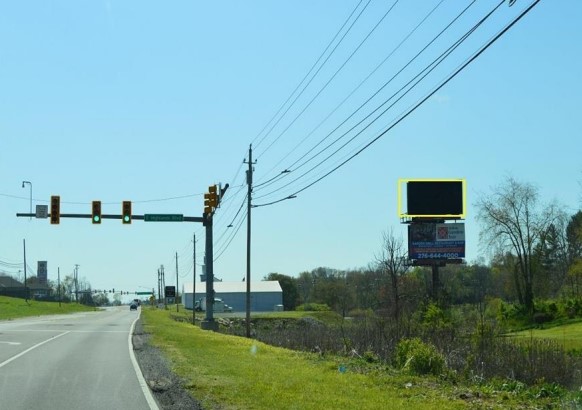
(12, 308)
(237, 373)
(324, 316)
(569, 335)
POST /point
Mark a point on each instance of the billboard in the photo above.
(433, 198)
(436, 241)
(42, 272)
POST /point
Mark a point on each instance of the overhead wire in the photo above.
(425, 98)
(422, 21)
(427, 70)
(310, 71)
(220, 252)
(330, 79)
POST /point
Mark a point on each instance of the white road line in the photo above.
(12, 343)
(143, 384)
(4, 363)
(63, 330)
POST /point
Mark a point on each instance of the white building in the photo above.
(265, 295)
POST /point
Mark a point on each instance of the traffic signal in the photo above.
(55, 209)
(213, 196)
(96, 212)
(207, 206)
(126, 212)
(211, 199)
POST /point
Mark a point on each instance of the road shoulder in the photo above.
(165, 386)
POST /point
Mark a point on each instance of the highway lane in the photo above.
(79, 361)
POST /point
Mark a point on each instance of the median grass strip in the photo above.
(238, 373)
(12, 308)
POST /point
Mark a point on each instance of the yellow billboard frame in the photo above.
(402, 181)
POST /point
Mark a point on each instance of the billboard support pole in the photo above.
(435, 282)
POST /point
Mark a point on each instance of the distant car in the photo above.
(227, 308)
(133, 306)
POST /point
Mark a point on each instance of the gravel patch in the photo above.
(166, 387)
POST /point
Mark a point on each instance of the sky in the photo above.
(154, 102)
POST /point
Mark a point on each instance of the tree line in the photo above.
(535, 252)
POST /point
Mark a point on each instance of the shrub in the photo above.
(313, 307)
(419, 357)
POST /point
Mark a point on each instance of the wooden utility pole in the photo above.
(177, 292)
(249, 205)
(194, 280)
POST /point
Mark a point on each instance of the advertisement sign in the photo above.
(42, 272)
(436, 241)
(170, 291)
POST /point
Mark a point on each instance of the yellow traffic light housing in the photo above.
(211, 199)
(212, 190)
(126, 212)
(55, 209)
(96, 212)
(207, 204)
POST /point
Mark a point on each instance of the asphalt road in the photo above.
(79, 361)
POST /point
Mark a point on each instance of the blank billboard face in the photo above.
(434, 198)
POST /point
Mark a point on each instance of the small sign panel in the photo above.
(42, 211)
(42, 272)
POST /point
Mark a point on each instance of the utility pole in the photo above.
(59, 284)
(159, 292)
(164, 286)
(177, 293)
(25, 288)
(194, 280)
(249, 205)
(77, 282)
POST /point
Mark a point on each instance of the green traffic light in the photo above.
(96, 219)
(126, 218)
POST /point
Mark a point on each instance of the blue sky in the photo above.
(153, 102)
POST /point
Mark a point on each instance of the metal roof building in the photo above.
(265, 295)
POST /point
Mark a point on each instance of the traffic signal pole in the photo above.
(208, 323)
(211, 202)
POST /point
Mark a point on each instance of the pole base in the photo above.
(209, 325)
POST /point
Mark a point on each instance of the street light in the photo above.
(29, 183)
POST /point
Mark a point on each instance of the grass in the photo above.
(238, 373)
(230, 372)
(12, 308)
(569, 335)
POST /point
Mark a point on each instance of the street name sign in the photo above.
(163, 218)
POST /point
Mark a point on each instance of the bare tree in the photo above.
(512, 221)
(392, 261)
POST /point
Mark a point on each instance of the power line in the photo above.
(242, 219)
(310, 71)
(423, 100)
(427, 70)
(331, 79)
(352, 93)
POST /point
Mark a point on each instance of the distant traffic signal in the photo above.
(55, 209)
(126, 212)
(96, 212)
